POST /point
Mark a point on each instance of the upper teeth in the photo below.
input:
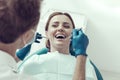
(60, 36)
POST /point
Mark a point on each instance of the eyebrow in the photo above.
(66, 23)
(56, 22)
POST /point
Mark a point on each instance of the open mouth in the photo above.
(60, 36)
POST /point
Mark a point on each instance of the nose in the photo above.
(61, 29)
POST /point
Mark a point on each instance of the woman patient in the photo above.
(58, 63)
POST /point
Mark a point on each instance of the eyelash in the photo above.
(54, 25)
(66, 26)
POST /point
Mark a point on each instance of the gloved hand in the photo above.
(22, 53)
(37, 36)
(79, 42)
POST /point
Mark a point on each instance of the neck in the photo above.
(9, 48)
(61, 50)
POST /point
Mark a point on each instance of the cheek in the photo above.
(50, 33)
(69, 32)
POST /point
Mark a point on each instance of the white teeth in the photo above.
(60, 36)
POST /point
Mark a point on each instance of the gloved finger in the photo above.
(75, 32)
(38, 36)
(37, 41)
(87, 39)
(80, 32)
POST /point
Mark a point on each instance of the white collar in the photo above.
(58, 52)
(7, 60)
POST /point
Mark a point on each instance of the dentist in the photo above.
(18, 23)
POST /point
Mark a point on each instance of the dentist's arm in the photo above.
(79, 43)
(22, 53)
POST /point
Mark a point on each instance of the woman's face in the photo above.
(59, 31)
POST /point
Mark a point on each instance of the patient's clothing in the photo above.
(55, 66)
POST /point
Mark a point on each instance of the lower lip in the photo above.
(61, 39)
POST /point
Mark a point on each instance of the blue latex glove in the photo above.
(79, 42)
(22, 53)
(38, 37)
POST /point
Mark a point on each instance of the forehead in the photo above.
(60, 18)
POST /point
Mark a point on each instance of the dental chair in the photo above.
(44, 51)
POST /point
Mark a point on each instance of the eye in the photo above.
(66, 25)
(55, 24)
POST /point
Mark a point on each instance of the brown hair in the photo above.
(16, 17)
(48, 21)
